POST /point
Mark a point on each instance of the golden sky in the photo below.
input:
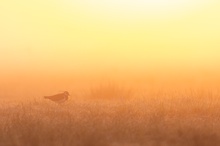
(90, 36)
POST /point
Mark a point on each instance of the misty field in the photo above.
(152, 119)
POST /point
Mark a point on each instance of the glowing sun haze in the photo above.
(91, 37)
(147, 7)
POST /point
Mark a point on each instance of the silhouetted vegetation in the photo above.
(190, 119)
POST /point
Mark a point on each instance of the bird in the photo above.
(59, 98)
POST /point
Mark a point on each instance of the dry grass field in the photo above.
(190, 118)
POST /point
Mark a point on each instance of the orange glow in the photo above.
(75, 42)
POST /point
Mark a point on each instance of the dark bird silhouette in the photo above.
(59, 98)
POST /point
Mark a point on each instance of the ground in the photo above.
(191, 119)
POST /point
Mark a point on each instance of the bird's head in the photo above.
(66, 93)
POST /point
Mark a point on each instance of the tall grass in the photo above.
(180, 119)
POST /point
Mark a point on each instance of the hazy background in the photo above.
(53, 45)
